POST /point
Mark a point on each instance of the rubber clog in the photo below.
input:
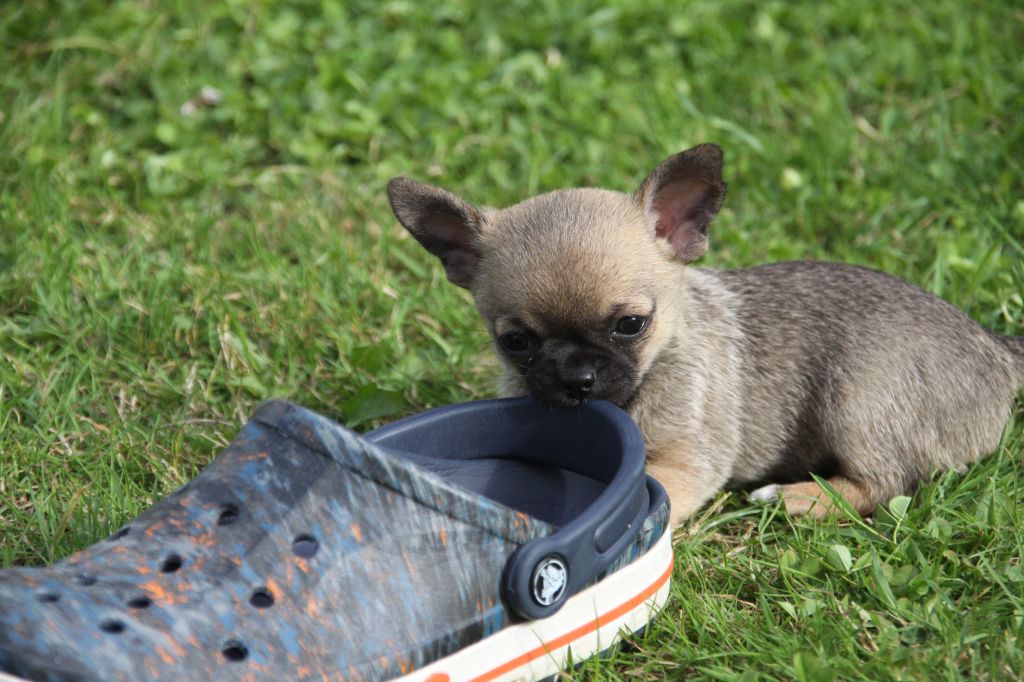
(480, 541)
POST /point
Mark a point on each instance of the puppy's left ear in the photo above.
(442, 223)
(682, 196)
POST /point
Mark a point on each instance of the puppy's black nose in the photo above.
(578, 381)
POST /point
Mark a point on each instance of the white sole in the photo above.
(589, 623)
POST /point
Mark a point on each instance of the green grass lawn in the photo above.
(163, 271)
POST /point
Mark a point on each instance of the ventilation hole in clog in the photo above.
(228, 514)
(171, 564)
(112, 625)
(261, 598)
(48, 597)
(85, 579)
(234, 651)
(305, 546)
(139, 602)
(119, 534)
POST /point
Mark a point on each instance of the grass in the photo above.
(162, 272)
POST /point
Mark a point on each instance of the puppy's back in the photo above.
(844, 359)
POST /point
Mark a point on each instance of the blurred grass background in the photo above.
(168, 260)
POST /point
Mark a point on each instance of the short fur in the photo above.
(762, 375)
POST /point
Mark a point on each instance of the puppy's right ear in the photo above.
(682, 196)
(442, 223)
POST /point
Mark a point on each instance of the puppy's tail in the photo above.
(1016, 346)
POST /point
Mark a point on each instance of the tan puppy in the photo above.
(744, 377)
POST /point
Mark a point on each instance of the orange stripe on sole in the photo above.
(573, 635)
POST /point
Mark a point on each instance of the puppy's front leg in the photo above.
(689, 481)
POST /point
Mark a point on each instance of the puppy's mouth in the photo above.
(557, 396)
(561, 400)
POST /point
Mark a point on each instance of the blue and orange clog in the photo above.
(480, 541)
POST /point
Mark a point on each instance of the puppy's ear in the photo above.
(442, 223)
(682, 196)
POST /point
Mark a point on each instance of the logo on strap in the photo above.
(549, 580)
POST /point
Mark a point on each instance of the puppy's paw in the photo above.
(809, 498)
(767, 493)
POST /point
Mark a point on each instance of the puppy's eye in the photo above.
(631, 325)
(517, 342)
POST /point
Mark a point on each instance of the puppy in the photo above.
(752, 377)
